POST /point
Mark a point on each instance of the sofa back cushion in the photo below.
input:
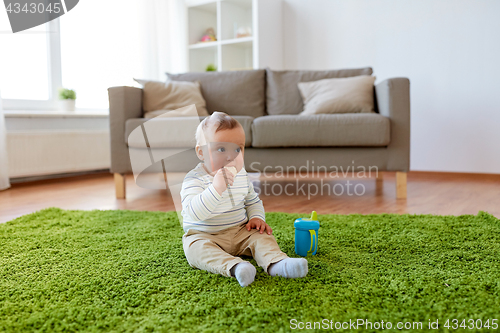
(283, 95)
(321, 130)
(238, 93)
(162, 98)
(173, 132)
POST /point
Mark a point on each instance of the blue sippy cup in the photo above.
(306, 235)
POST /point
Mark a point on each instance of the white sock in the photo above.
(244, 273)
(290, 268)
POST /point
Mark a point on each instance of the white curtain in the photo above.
(163, 35)
(4, 167)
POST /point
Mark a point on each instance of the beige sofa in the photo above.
(266, 103)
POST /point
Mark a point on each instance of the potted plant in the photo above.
(67, 99)
(211, 68)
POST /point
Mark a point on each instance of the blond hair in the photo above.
(220, 120)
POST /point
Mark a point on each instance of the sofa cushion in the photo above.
(283, 95)
(160, 97)
(338, 95)
(173, 132)
(346, 129)
(240, 93)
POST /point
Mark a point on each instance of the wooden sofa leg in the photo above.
(120, 185)
(400, 185)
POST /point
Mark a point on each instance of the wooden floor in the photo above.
(428, 193)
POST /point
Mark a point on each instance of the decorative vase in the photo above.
(67, 105)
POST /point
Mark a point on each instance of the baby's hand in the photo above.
(220, 182)
(259, 225)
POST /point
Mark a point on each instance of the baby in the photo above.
(223, 217)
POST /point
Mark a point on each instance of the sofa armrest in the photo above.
(124, 103)
(393, 101)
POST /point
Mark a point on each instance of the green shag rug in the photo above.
(126, 271)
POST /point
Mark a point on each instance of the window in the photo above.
(24, 62)
(100, 49)
(87, 50)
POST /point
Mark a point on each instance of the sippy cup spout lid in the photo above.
(306, 224)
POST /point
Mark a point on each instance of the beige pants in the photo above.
(217, 252)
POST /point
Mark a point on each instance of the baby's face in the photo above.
(225, 149)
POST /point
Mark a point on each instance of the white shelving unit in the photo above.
(264, 48)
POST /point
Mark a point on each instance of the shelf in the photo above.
(237, 56)
(203, 45)
(201, 18)
(235, 14)
(248, 40)
(243, 41)
(200, 58)
(261, 19)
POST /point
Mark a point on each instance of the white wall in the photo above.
(449, 49)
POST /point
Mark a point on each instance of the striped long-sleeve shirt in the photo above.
(204, 209)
